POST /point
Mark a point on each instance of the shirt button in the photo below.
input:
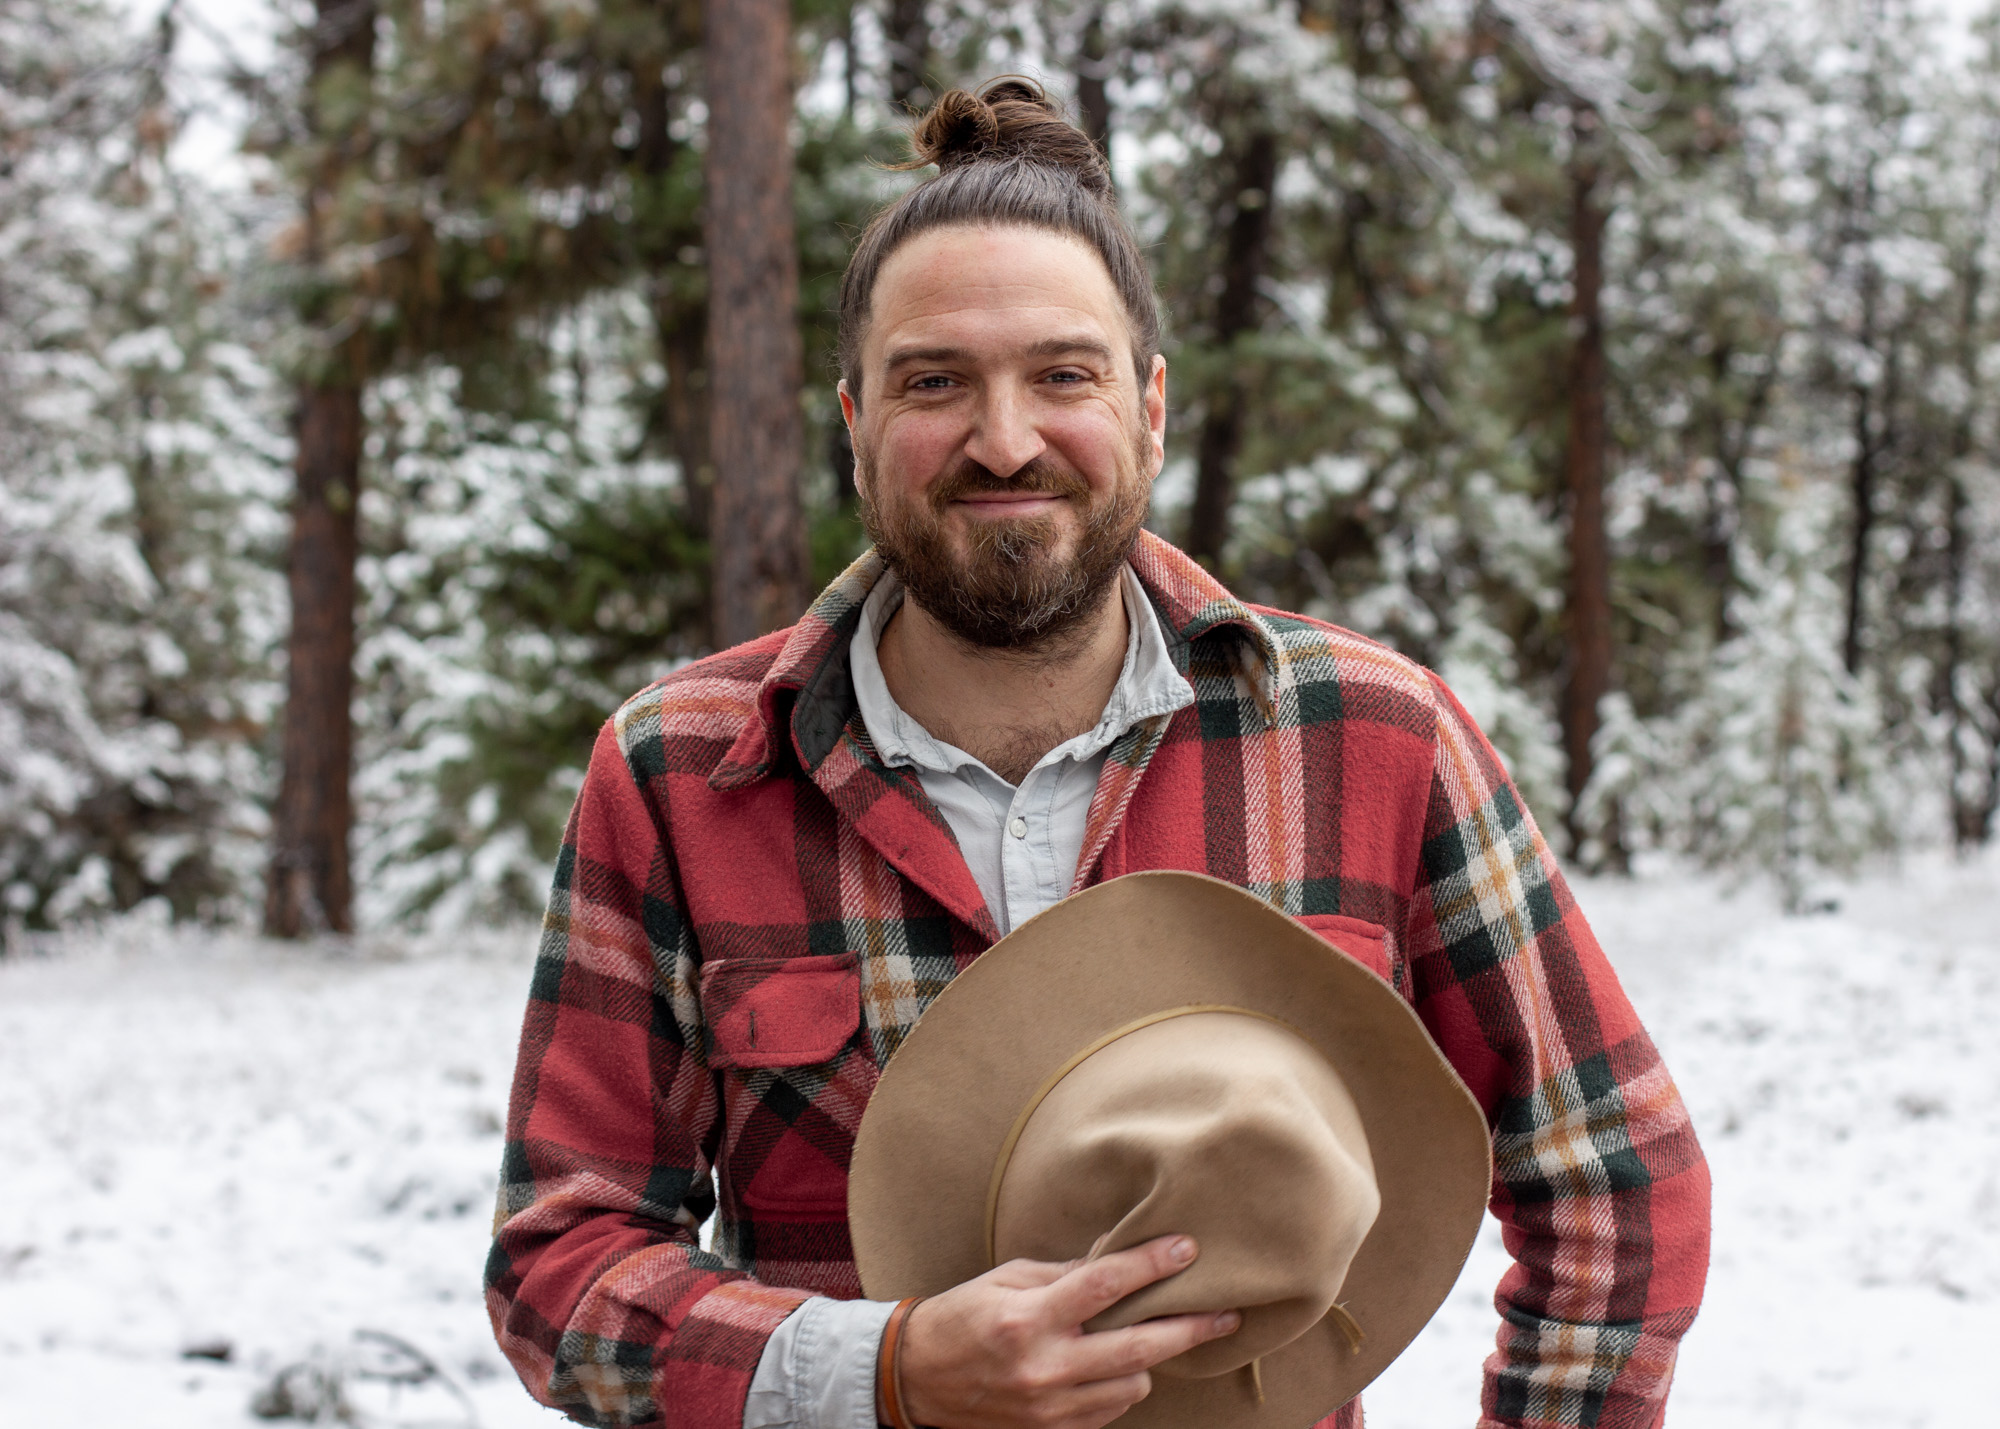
(1019, 828)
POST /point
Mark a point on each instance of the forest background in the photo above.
(1636, 365)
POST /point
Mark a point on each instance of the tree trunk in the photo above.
(909, 27)
(755, 363)
(1246, 253)
(850, 65)
(1589, 604)
(1867, 441)
(840, 456)
(1967, 824)
(1989, 807)
(1861, 495)
(309, 887)
(679, 307)
(1722, 521)
(1971, 806)
(683, 333)
(1093, 92)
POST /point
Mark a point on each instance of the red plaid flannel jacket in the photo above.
(739, 850)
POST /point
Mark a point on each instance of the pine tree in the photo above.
(538, 547)
(310, 886)
(134, 457)
(761, 565)
(1968, 663)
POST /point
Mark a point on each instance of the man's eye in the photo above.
(932, 383)
(1066, 377)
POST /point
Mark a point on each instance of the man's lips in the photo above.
(997, 503)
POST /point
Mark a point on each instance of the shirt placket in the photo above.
(1027, 850)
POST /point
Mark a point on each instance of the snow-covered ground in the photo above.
(1844, 1074)
(210, 1143)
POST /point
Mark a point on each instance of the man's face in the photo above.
(1004, 449)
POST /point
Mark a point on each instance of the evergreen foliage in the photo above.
(1360, 215)
(136, 491)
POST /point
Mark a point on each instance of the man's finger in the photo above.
(1029, 1274)
(1106, 1399)
(1112, 1354)
(1095, 1287)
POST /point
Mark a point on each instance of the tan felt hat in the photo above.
(1168, 1053)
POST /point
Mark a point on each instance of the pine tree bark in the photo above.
(1588, 614)
(1861, 495)
(680, 308)
(683, 332)
(1246, 254)
(755, 362)
(1093, 90)
(909, 37)
(1867, 421)
(1722, 518)
(1971, 807)
(309, 887)
(1968, 826)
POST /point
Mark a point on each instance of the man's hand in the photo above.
(1008, 1350)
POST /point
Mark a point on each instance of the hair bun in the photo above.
(1010, 118)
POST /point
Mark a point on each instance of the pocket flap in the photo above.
(1366, 943)
(779, 1012)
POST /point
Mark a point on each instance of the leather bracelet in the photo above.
(889, 1368)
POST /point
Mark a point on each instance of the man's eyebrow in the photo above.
(1044, 347)
(1065, 346)
(901, 356)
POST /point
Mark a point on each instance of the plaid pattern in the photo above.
(751, 911)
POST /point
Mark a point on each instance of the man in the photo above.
(1017, 694)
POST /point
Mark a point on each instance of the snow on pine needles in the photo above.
(220, 1145)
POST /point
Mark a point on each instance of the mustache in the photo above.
(1040, 477)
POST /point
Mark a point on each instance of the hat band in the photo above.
(1041, 1093)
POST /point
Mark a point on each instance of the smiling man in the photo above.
(1017, 694)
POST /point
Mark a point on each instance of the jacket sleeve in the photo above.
(1599, 1186)
(598, 1289)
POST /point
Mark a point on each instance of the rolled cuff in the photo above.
(818, 1368)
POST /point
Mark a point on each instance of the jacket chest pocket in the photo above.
(1366, 943)
(779, 1012)
(778, 1026)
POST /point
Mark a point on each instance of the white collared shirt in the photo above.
(1022, 844)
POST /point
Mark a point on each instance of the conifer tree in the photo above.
(1373, 225)
(761, 565)
(133, 456)
(310, 885)
(1968, 663)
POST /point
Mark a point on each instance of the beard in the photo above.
(1012, 590)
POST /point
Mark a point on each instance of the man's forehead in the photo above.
(993, 287)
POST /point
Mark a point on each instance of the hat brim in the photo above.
(925, 1152)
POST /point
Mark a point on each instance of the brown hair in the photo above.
(1004, 156)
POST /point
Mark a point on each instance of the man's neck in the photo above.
(1006, 708)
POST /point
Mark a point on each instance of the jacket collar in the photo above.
(810, 688)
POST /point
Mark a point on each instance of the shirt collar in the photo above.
(1148, 686)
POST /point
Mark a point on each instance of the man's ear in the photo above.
(1155, 398)
(846, 406)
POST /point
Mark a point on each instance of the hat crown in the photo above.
(934, 1150)
(1223, 1125)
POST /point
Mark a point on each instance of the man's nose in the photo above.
(1004, 438)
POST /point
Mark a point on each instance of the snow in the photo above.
(226, 1141)
(214, 1140)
